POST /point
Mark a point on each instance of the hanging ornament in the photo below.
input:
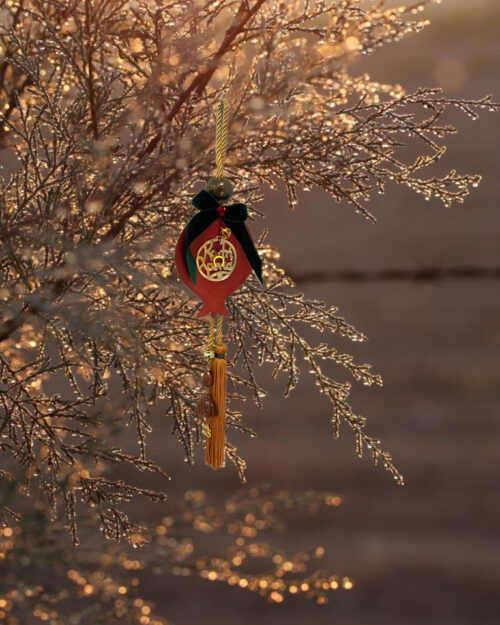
(214, 256)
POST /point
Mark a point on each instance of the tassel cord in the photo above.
(209, 352)
(219, 329)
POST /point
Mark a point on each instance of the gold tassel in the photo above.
(217, 440)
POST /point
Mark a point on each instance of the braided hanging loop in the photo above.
(221, 126)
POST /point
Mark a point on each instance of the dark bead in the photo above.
(206, 408)
(208, 378)
(221, 188)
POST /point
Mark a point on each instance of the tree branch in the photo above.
(201, 80)
(90, 72)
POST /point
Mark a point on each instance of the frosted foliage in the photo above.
(44, 580)
(107, 128)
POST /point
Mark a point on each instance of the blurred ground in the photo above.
(427, 553)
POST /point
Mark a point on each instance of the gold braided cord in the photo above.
(219, 329)
(221, 136)
(209, 352)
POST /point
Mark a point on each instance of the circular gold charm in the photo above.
(216, 259)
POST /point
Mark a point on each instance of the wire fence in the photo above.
(416, 274)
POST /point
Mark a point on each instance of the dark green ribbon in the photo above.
(234, 218)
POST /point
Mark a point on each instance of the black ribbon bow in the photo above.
(234, 218)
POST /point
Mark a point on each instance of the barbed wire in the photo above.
(396, 274)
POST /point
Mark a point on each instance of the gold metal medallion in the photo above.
(216, 258)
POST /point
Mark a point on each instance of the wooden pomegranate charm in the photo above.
(214, 256)
(215, 252)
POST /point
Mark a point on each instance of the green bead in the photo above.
(221, 188)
